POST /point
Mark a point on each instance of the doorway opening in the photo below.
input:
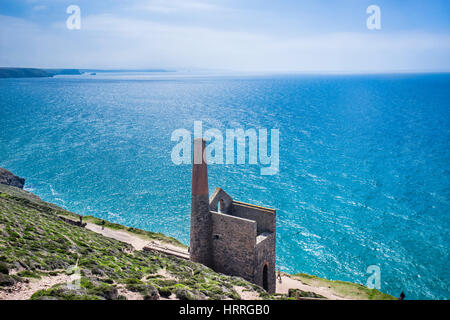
(265, 280)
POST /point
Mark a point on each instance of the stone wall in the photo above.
(217, 196)
(233, 244)
(265, 218)
(73, 222)
(265, 254)
(240, 240)
(201, 228)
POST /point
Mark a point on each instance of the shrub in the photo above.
(104, 290)
(28, 274)
(63, 293)
(183, 294)
(165, 292)
(133, 281)
(300, 293)
(150, 293)
(6, 280)
(4, 268)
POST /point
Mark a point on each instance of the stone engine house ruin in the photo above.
(229, 236)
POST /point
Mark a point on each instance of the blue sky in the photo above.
(250, 35)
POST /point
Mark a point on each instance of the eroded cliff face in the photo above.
(10, 179)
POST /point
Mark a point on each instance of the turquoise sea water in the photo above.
(364, 162)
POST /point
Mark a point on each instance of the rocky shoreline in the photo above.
(10, 179)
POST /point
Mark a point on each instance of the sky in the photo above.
(234, 35)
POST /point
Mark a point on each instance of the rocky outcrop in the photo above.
(11, 179)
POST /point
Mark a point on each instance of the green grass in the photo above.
(35, 242)
(344, 289)
(28, 274)
(143, 233)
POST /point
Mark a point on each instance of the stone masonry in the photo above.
(229, 236)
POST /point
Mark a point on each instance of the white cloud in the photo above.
(109, 41)
(169, 6)
(39, 7)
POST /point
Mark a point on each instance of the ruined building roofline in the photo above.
(219, 191)
(215, 193)
(234, 217)
(265, 209)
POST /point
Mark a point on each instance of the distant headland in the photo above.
(35, 72)
(6, 72)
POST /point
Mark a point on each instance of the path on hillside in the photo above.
(290, 283)
(138, 242)
(141, 244)
(24, 291)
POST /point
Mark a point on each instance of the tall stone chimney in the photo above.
(201, 221)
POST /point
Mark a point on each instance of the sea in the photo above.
(363, 181)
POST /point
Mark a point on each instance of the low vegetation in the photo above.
(345, 289)
(35, 243)
(142, 233)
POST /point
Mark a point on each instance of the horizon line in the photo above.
(231, 71)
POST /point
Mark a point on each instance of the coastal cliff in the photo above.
(10, 179)
(6, 72)
(43, 245)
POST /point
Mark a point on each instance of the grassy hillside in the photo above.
(348, 290)
(35, 244)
